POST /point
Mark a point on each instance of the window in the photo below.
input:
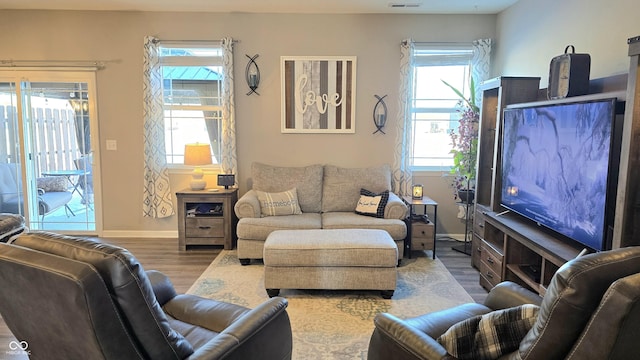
(192, 98)
(434, 106)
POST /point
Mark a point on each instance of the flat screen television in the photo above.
(560, 167)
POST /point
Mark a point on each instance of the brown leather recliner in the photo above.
(591, 310)
(70, 298)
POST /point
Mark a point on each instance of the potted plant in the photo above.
(465, 145)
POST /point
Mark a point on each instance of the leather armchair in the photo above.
(72, 298)
(591, 310)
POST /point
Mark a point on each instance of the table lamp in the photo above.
(197, 155)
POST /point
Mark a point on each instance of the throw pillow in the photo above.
(491, 335)
(372, 204)
(306, 179)
(282, 203)
(52, 183)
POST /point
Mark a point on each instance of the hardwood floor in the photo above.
(459, 265)
(183, 268)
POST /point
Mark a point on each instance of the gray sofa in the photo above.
(327, 195)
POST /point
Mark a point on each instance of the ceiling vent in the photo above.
(405, 5)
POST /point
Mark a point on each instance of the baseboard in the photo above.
(139, 234)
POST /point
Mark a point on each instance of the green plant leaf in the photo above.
(470, 102)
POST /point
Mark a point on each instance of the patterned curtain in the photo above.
(156, 202)
(229, 159)
(480, 64)
(402, 175)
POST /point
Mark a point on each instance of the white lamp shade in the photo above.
(197, 155)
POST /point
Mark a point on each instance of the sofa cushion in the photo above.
(199, 327)
(260, 228)
(341, 186)
(350, 220)
(330, 248)
(372, 204)
(278, 204)
(50, 201)
(128, 285)
(52, 183)
(307, 180)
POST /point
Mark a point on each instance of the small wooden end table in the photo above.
(206, 217)
(421, 231)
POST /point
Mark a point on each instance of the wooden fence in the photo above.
(53, 139)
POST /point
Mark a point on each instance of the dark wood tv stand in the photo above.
(530, 256)
(508, 247)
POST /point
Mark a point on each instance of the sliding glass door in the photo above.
(47, 163)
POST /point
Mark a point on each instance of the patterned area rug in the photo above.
(335, 324)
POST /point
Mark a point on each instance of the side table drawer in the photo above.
(422, 230)
(204, 227)
(421, 244)
(422, 236)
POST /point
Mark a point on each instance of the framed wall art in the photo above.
(318, 94)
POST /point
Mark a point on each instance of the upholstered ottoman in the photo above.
(332, 259)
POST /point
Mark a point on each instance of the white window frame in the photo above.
(196, 60)
(437, 55)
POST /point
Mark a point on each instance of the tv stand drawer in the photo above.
(491, 259)
(517, 251)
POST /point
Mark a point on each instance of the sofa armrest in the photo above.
(437, 323)
(393, 338)
(509, 294)
(263, 332)
(248, 206)
(396, 208)
(162, 286)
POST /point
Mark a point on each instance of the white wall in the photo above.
(531, 32)
(118, 38)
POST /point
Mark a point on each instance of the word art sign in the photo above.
(318, 94)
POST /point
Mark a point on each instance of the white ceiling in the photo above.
(273, 6)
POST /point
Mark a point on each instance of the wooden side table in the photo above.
(421, 231)
(206, 217)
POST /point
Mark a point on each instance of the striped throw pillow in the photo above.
(276, 204)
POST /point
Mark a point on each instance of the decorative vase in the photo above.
(466, 195)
